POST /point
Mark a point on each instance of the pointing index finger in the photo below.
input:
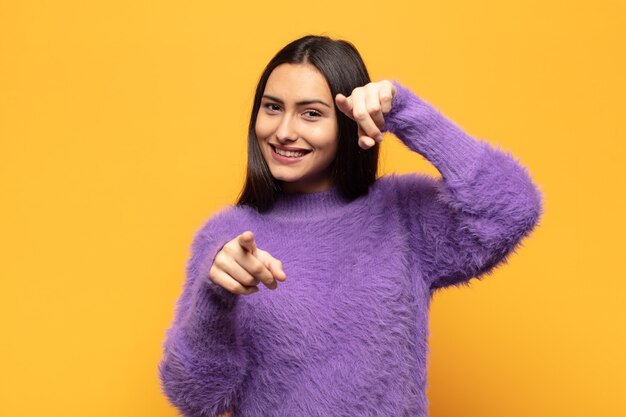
(246, 240)
(345, 105)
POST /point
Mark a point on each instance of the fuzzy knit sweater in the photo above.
(346, 334)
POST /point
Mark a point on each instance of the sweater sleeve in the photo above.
(469, 220)
(203, 363)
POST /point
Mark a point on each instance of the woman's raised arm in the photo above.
(476, 214)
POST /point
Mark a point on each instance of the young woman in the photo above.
(348, 262)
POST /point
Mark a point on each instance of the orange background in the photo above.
(122, 128)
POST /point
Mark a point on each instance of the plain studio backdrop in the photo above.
(123, 128)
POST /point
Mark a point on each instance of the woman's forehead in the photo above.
(297, 82)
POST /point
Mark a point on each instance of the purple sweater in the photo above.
(347, 333)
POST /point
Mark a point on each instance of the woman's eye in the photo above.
(313, 113)
(268, 106)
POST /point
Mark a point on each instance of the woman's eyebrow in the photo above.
(299, 103)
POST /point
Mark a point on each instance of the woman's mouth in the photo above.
(287, 157)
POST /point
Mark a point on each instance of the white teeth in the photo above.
(289, 153)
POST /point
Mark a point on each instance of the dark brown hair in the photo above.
(354, 169)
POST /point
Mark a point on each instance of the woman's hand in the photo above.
(240, 265)
(367, 105)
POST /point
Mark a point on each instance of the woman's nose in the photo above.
(286, 129)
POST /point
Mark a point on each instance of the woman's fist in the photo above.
(367, 105)
(239, 266)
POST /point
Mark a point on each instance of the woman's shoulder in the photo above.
(226, 218)
(401, 194)
(397, 187)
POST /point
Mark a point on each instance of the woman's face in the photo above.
(298, 112)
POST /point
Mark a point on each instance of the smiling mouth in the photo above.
(289, 154)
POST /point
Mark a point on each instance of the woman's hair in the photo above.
(354, 169)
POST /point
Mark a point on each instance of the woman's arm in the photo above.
(475, 215)
(203, 363)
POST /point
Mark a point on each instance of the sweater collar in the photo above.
(309, 206)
